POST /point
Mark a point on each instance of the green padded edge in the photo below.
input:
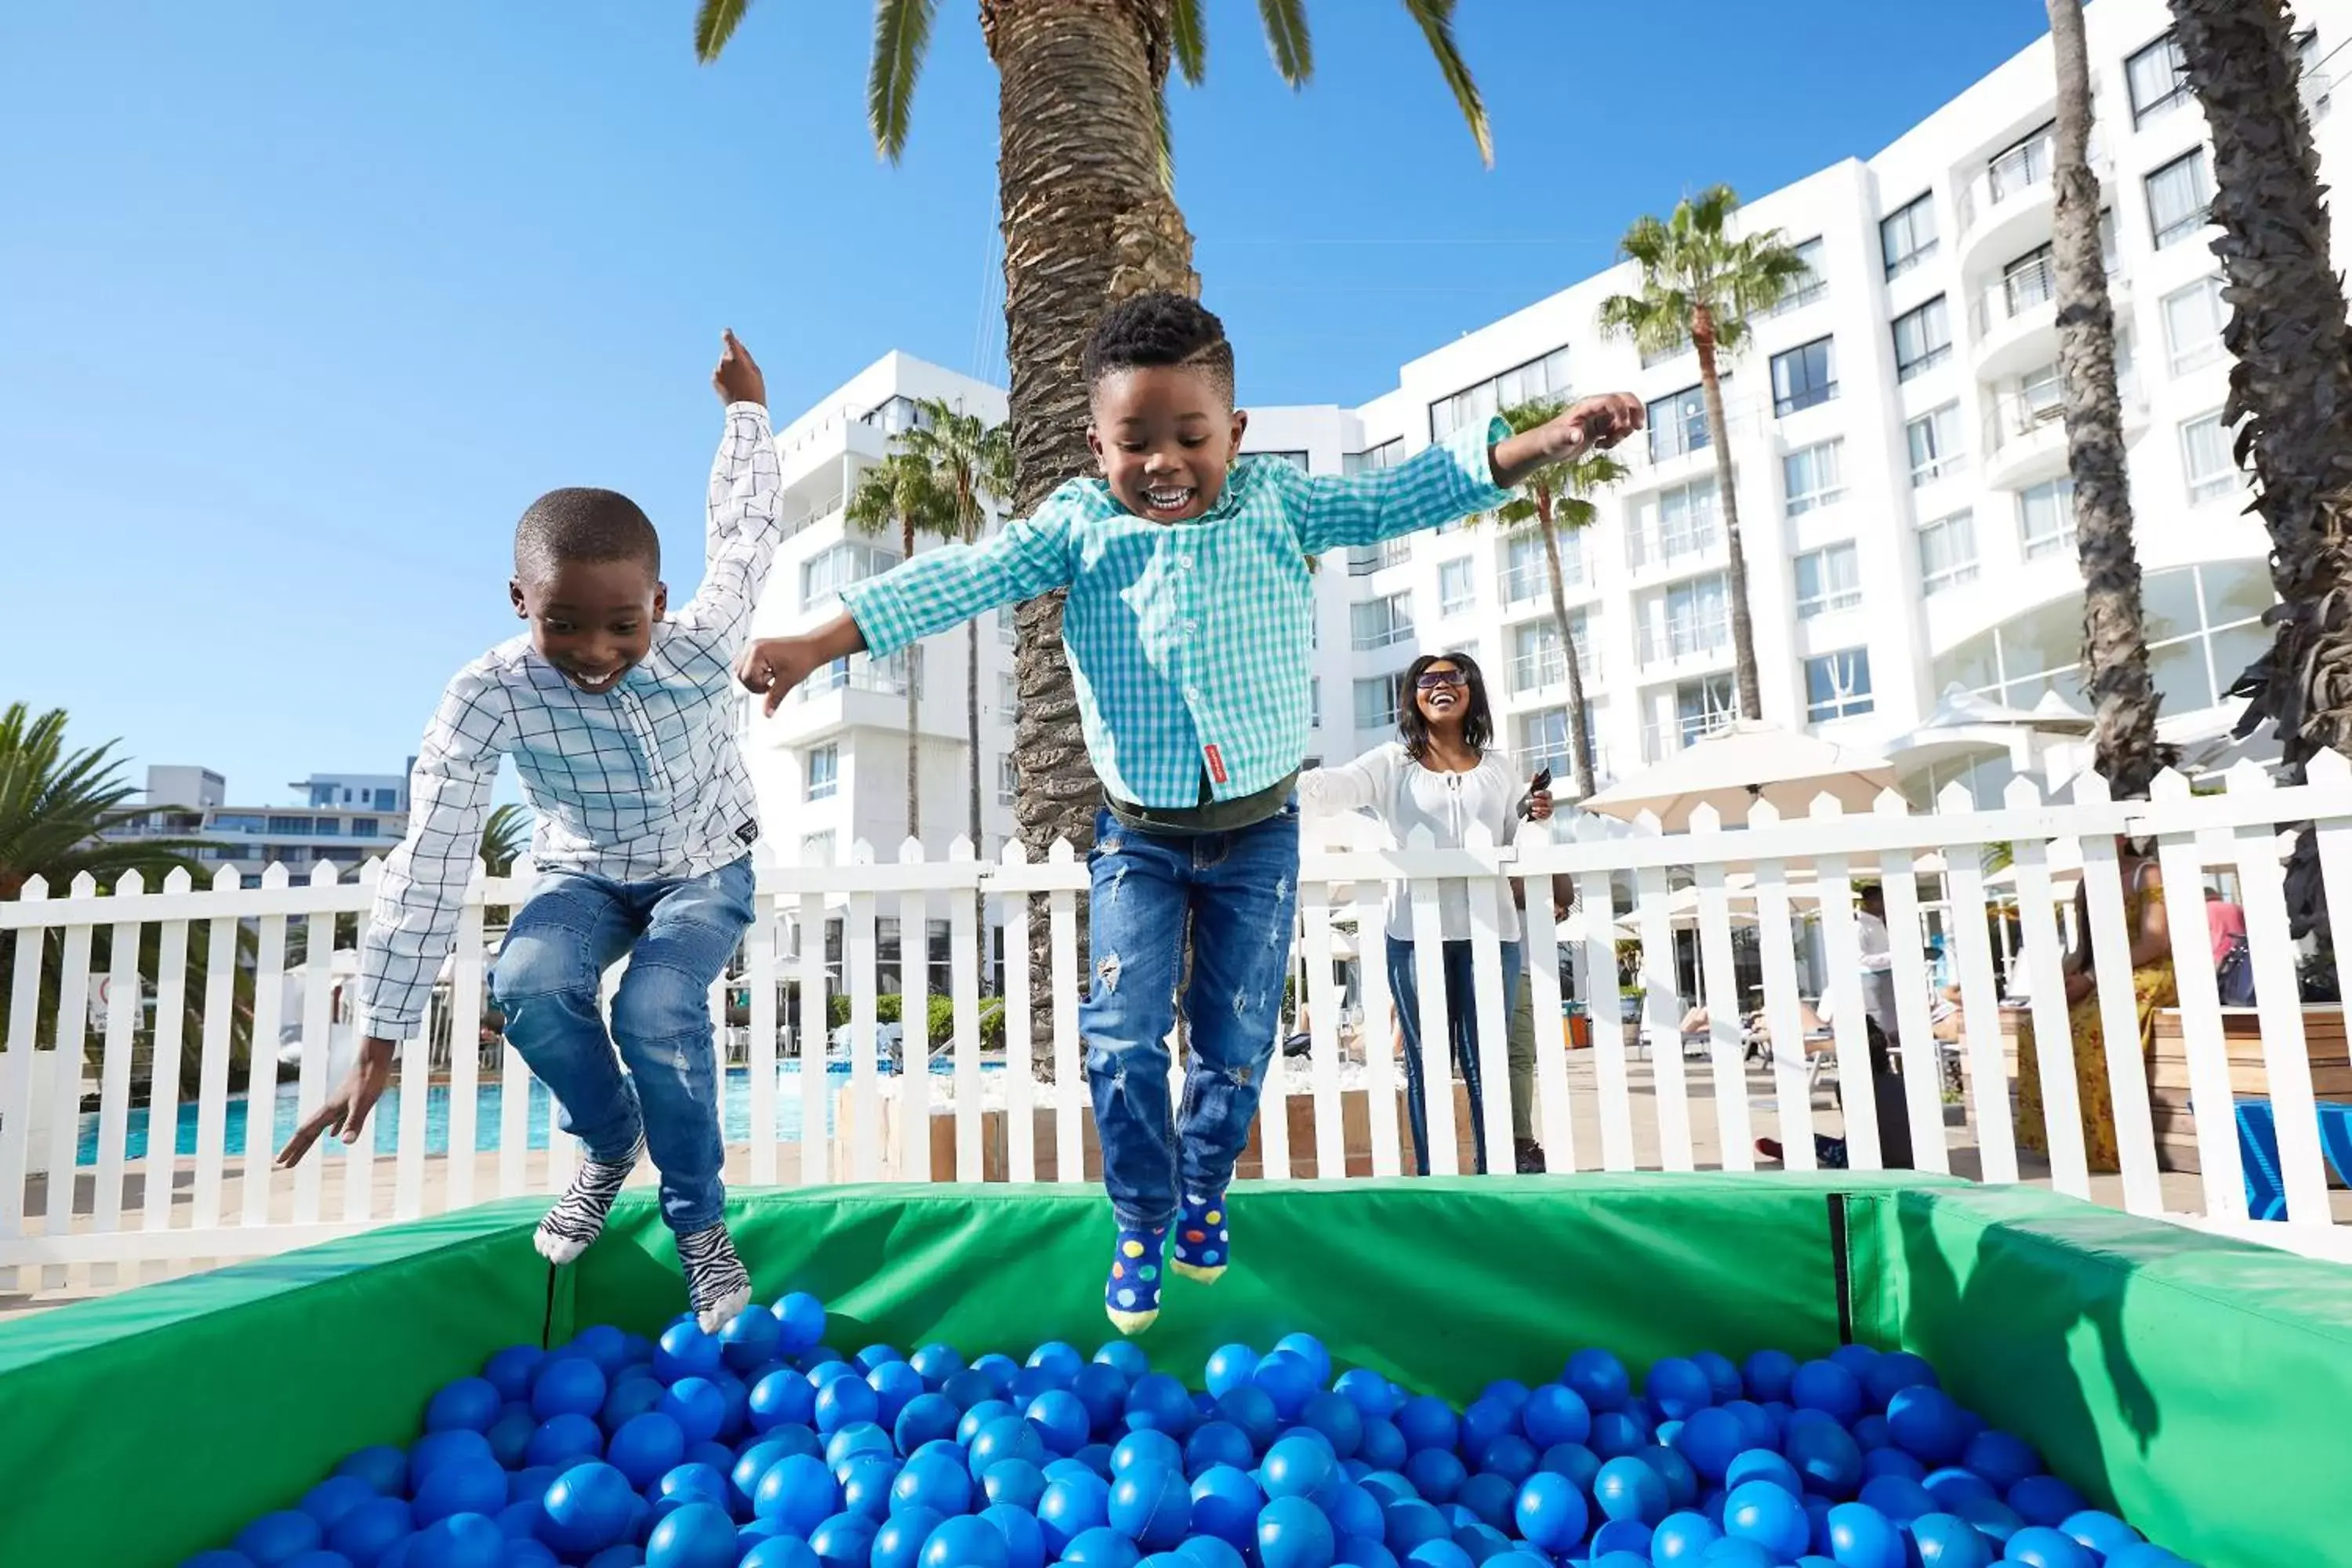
(2200, 1386)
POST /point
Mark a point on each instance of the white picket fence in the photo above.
(1622, 1105)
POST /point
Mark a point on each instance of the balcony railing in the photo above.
(2025, 168)
(2019, 415)
(1685, 640)
(891, 677)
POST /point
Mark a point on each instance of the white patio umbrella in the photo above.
(1736, 766)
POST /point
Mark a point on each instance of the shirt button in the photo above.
(1190, 626)
(1192, 694)
(1183, 563)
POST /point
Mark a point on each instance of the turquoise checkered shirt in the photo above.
(1190, 644)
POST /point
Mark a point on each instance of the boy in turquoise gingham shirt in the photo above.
(1189, 630)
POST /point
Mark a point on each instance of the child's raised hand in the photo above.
(776, 665)
(738, 377)
(1599, 422)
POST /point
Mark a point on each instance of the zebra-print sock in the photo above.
(578, 1216)
(717, 1285)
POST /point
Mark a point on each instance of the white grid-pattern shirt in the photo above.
(639, 783)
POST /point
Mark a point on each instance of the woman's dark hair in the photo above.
(1477, 718)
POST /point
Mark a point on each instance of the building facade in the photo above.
(1894, 433)
(347, 818)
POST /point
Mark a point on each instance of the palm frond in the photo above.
(902, 31)
(1436, 19)
(505, 835)
(714, 23)
(1189, 38)
(1286, 36)
(1163, 151)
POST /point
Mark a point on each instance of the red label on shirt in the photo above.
(1216, 762)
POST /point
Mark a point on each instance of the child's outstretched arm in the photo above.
(742, 534)
(419, 897)
(1470, 472)
(918, 597)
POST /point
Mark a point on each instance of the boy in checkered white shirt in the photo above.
(620, 723)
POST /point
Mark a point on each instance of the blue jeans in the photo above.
(1462, 1023)
(1238, 893)
(679, 934)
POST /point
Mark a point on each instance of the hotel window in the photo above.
(1937, 446)
(1907, 235)
(1814, 476)
(824, 772)
(2193, 318)
(1809, 285)
(1703, 707)
(2179, 195)
(1804, 377)
(1678, 424)
(2206, 458)
(2046, 518)
(1296, 459)
(1677, 523)
(1948, 553)
(1837, 685)
(1543, 377)
(1457, 592)
(1380, 622)
(1008, 779)
(830, 571)
(1922, 339)
(1376, 701)
(1315, 702)
(1387, 454)
(1526, 573)
(1827, 579)
(2157, 78)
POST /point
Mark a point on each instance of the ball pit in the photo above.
(760, 1448)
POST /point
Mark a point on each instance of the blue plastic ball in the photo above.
(2038, 1546)
(1006, 1437)
(781, 1398)
(471, 1402)
(1681, 1539)
(1510, 1455)
(1383, 1446)
(1024, 1543)
(1366, 1551)
(845, 1402)
(511, 1371)
(1352, 1510)
(1229, 1367)
(1943, 1541)
(1890, 1374)
(894, 1383)
(1487, 1495)
(568, 1385)
(801, 1318)
(1550, 1512)
(2102, 1532)
(1225, 1504)
(1151, 1505)
(1824, 1455)
(1710, 1439)
(1484, 1420)
(936, 1363)
(1678, 1387)
(1251, 1409)
(367, 1531)
(1924, 1422)
(333, 1498)
(1145, 1447)
(1411, 1523)
(2002, 1459)
(1827, 1386)
(1682, 1481)
(1556, 1414)
(560, 1441)
(1627, 1535)
(1598, 1379)
(1861, 1537)
(646, 1446)
(1900, 1497)
(684, 1350)
(383, 1468)
(1951, 1487)
(898, 1542)
(1215, 1443)
(1295, 1466)
(1574, 1460)
(589, 1507)
(1766, 1374)
(1011, 1483)
(2045, 1499)
(463, 1486)
(1289, 1379)
(967, 1425)
(1428, 1422)
(277, 1538)
(1069, 1506)
(1369, 1392)
(1628, 1489)
(1769, 1516)
(1061, 1421)
(1215, 1552)
(1102, 1547)
(2144, 1554)
(797, 1493)
(845, 1541)
(1309, 1349)
(697, 1535)
(1101, 1390)
(696, 1480)
(1158, 1401)
(1293, 1533)
(865, 1484)
(925, 1418)
(1436, 1474)
(1443, 1553)
(1891, 1461)
(1734, 1551)
(461, 1541)
(602, 1344)
(1763, 1465)
(779, 1552)
(1334, 1415)
(1616, 1433)
(933, 1481)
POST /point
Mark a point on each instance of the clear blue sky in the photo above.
(304, 302)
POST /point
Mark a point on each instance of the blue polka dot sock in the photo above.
(1131, 1295)
(1203, 1249)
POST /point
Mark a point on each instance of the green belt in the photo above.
(1211, 815)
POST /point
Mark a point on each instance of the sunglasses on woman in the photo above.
(1433, 680)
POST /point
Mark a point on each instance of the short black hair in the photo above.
(1160, 329)
(582, 524)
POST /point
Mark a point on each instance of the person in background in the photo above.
(1438, 775)
(2234, 961)
(1881, 1028)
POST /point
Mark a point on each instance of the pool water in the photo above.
(489, 1103)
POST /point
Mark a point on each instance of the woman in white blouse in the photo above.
(1439, 775)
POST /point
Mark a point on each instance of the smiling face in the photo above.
(1163, 437)
(1442, 695)
(592, 620)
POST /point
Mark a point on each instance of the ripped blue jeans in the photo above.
(1237, 893)
(677, 934)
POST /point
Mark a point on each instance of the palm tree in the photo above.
(1699, 285)
(970, 462)
(899, 491)
(505, 836)
(2114, 637)
(1555, 496)
(53, 806)
(2291, 380)
(1086, 201)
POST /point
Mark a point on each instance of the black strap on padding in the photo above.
(547, 1322)
(1841, 1268)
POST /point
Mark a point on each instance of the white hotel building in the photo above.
(1894, 431)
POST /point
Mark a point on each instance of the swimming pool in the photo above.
(488, 1103)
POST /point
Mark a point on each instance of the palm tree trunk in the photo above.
(914, 703)
(1743, 629)
(2291, 382)
(971, 749)
(2115, 638)
(1579, 754)
(1086, 221)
